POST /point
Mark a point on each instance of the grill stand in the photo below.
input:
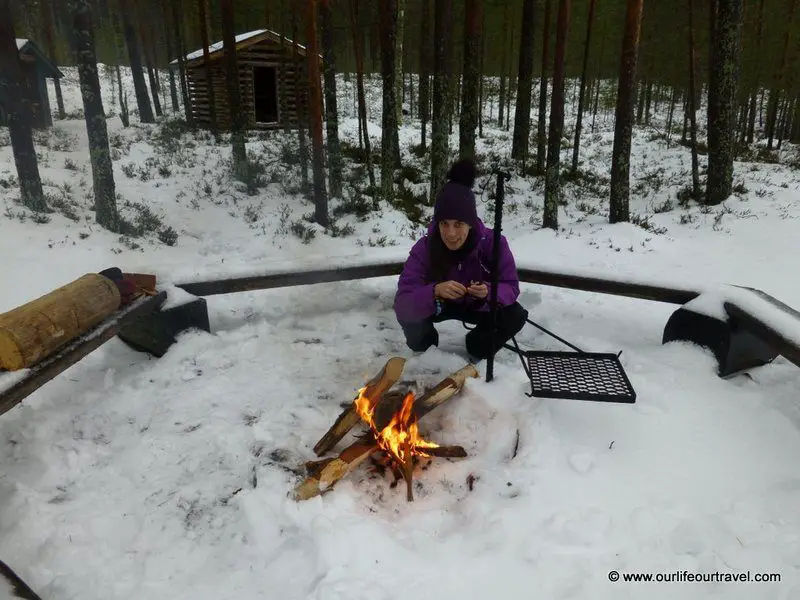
(578, 375)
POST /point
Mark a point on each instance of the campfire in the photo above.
(392, 435)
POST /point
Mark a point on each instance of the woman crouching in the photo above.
(447, 276)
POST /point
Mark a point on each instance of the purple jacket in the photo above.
(414, 300)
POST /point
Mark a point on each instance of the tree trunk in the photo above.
(135, 60)
(692, 108)
(389, 142)
(723, 65)
(400, 20)
(424, 69)
(212, 105)
(18, 110)
(751, 121)
(331, 109)
(173, 90)
(124, 116)
(105, 203)
(777, 92)
(315, 110)
(179, 42)
(303, 108)
(470, 99)
(584, 73)
(553, 177)
(238, 150)
(522, 114)
(441, 95)
(503, 70)
(620, 160)
(541, 135)
(362, 103)
(144, 35)
(47, 27)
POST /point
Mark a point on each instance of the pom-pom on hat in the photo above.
(456, 199)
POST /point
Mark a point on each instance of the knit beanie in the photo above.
(456, 199)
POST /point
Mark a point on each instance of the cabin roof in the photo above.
(26, 46)
(243, 40)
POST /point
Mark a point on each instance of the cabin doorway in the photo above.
(265, 94)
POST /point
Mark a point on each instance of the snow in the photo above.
(216, 46)
(129, 477)
(21, 42)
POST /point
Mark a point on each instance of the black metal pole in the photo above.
(502, 176)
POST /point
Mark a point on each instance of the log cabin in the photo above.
(36, 68)
(273, 81)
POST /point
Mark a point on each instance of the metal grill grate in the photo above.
(578, 376)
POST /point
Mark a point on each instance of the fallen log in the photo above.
(375, 388)
(75, 351)
(37, 329)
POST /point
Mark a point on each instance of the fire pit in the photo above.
(392, 432)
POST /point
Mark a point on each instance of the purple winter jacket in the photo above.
(414, 300)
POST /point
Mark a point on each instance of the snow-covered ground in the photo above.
(132, 478)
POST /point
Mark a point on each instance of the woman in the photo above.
(446, 275)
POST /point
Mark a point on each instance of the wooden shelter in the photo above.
(273, 80)
(36, 68)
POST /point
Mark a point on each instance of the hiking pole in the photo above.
(502, 176)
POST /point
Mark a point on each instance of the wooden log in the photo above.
(376, 387)
(35, 330)
(445, 452)
(72, 353)
(333, 470)
(445, 390)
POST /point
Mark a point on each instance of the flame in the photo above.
(401, 436)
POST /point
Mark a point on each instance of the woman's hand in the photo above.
(449, 290)
(478, 289)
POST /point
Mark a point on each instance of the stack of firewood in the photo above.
(386, 412)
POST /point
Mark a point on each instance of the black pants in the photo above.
(510, 319)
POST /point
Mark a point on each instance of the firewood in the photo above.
(445, 452)
(376, 387)
(334, 469)
(445, 390)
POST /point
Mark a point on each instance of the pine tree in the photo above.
(238, 150)
(315, 110)
(105, 204)
(470, 90)
(18, 111)
(389, 142)
(623, 125)
(440, 147)
(331, 109)
(522, 114)
(726, 18)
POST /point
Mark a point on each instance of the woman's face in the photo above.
(454, 233)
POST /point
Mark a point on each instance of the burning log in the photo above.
(374, 389)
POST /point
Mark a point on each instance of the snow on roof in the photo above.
(217, 46)
(21, 42)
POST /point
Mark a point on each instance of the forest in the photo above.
(441, 62)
